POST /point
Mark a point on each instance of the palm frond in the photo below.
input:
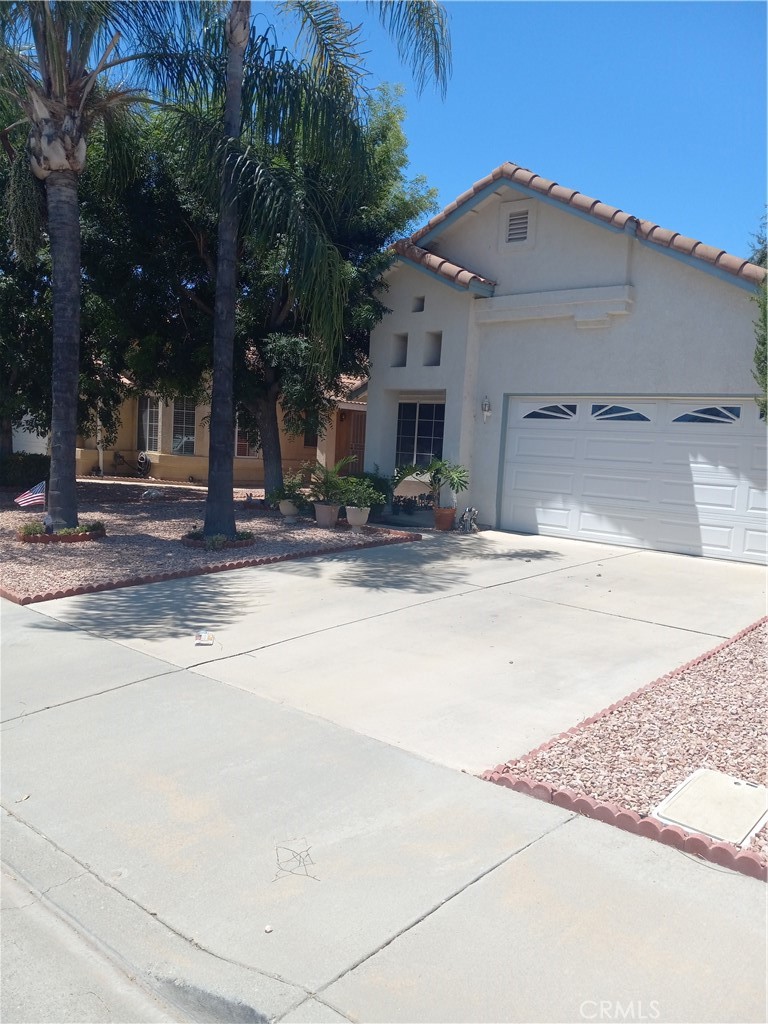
(421, 34)
(329, 43)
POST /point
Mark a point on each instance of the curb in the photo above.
(162, 577)
(727, 855)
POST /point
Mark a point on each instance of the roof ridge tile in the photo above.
(606, 213)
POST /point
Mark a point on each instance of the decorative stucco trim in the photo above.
(610, 216)
(589, 306)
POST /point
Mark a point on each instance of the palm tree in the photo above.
(276, 94)
(56, 59)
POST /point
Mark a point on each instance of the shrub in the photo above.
(23, 469)
(33, 529)
(244, 535)
(359, 492)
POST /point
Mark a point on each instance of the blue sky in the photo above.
(658, 108)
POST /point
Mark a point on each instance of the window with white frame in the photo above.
(184, 426)
(244, 447)
(420, 428)
(148, 432)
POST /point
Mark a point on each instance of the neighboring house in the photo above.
(175, 437)
(592, 370)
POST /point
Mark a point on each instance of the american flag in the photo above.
(34, 496)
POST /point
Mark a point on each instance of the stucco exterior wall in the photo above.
(446, 311)
(581, 310)
(565, 250)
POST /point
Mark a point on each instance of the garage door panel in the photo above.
(696, 451)
(757, 500)
(759, 458)
(532, 518)
(756, 543)
(623, 450)
(546, 445)
(722, 497)
(615, 487)
(689, 536)
(696, 486)
(616, 527)
(541, 482)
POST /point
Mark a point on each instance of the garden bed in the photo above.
(619, 764)
(142, 542)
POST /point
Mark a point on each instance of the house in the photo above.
(174, 436)
(591, 369)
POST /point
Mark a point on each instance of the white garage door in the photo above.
(667, 474)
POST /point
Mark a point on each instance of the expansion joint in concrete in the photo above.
(438, 906)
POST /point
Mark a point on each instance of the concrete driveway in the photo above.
(465, 650)
(257, 830)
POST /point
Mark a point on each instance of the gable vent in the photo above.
(517, 227)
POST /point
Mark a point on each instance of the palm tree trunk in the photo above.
(219, 505)
(64, 234)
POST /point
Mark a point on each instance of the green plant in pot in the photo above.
(360, 496)
(442, 473)
(290, 498)
(326, 490)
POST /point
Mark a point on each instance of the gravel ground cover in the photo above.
(143, 538)
(709, 715)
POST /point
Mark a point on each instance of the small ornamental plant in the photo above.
(361, 493)
(70, 531)
(292, 490)
(33, 529)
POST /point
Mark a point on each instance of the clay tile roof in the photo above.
(450, 271)
(646, 230)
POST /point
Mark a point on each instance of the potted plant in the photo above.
(326, 490)
(359, 495)
(441, 473)
(290, 497)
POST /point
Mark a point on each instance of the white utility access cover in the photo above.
(717, 805)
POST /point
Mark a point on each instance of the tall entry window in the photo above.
(183, 426)
(148, 433)
(419, 432)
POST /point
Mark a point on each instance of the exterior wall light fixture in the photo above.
(485, 408)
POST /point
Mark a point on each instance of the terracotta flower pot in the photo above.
(326, 515)
(357, 516)
(444, 518)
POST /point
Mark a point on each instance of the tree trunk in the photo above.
(6, 437)
(219, 505)
(64, 234)
(264, 411)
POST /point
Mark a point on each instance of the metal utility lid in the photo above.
(717, 805)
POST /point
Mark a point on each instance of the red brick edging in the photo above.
(725, 854)
(246, 563)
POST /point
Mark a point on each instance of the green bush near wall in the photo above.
(24, 470)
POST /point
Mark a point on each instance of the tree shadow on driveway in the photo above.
(171, 609)
(421, 568)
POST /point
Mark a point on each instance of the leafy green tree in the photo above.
(361, 220)
(760, 372)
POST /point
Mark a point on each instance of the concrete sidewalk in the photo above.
(255, 847)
